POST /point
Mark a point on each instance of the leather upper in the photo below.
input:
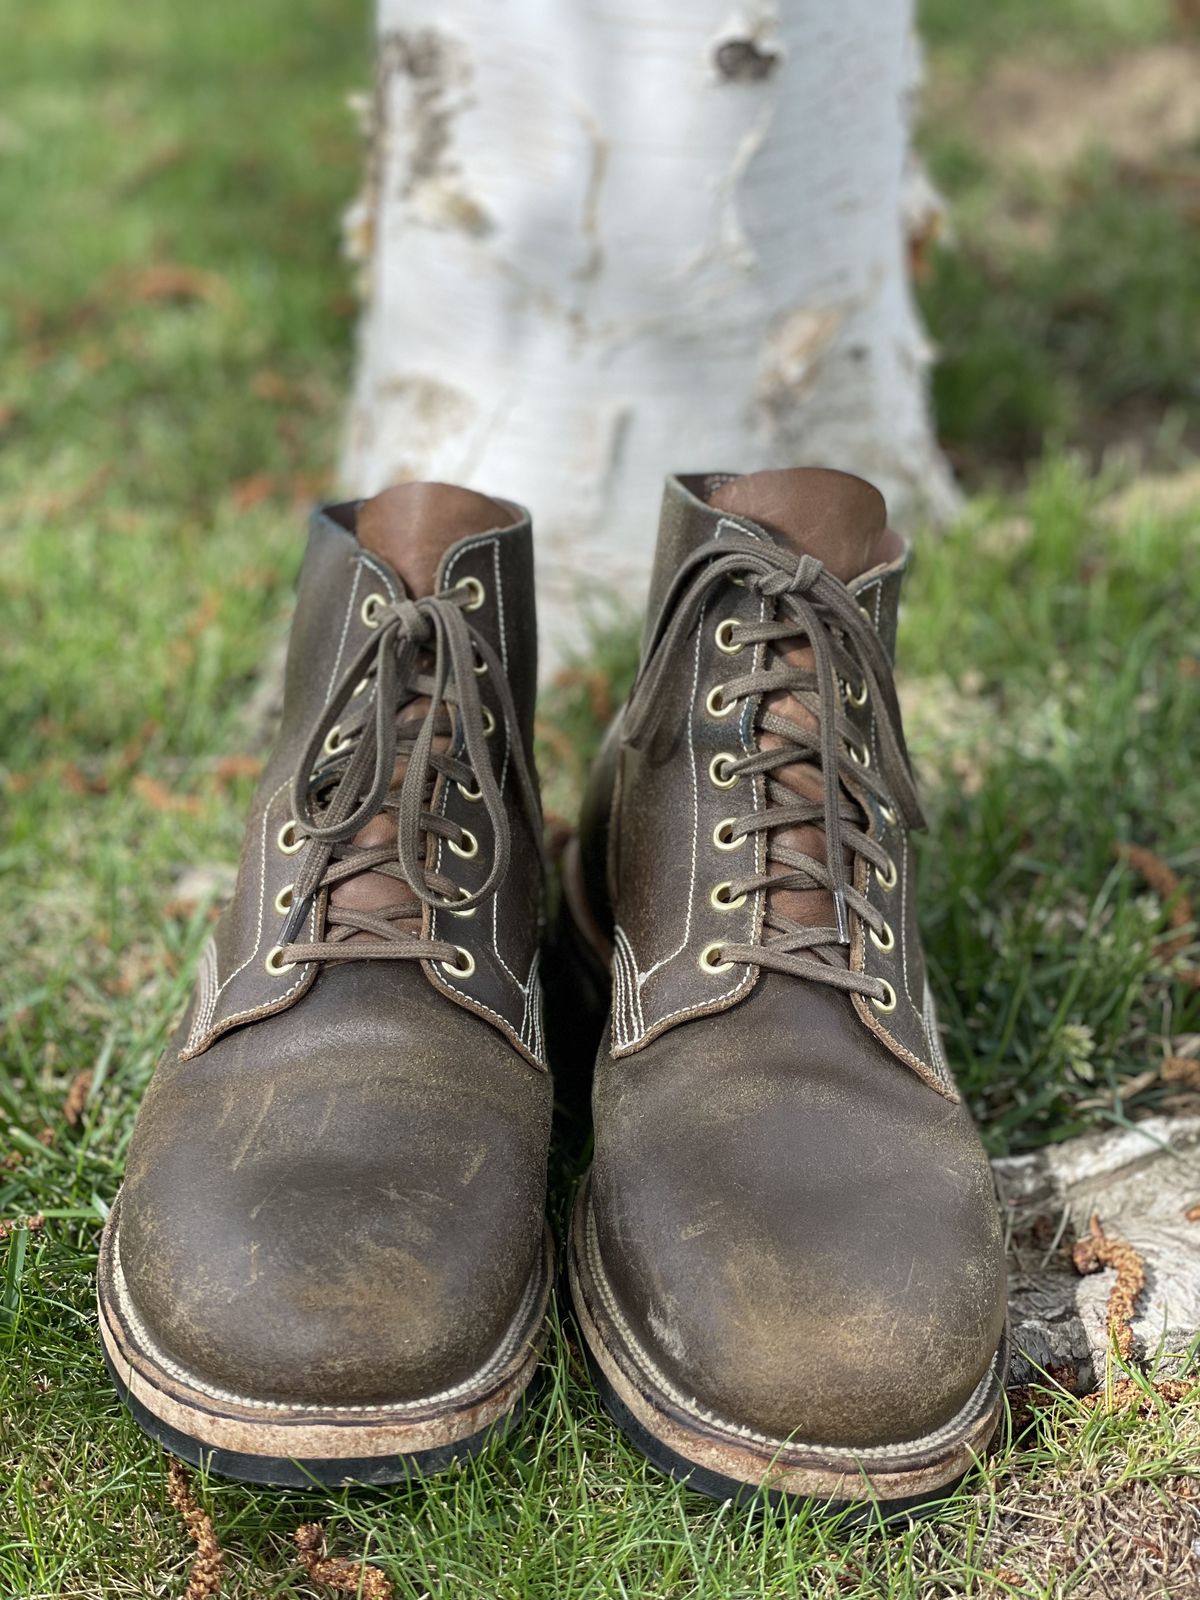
(337, 583)
(651, 856)
(342, 1203)
(335, 1187)
(791, 1205)
(803, 1233)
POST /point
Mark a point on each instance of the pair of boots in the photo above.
(329, 1260)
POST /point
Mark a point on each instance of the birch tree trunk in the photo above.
(602, 241)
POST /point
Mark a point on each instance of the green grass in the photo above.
(1084, 339)
(1070, 29)
(174, 344)
(1067, 312)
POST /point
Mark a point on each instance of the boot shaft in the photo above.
(347, 585)
(674, 823)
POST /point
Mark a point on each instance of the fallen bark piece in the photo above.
(205, 1577)
(349, 1577)
(1139, 1180)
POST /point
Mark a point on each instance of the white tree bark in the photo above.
(1141, 1182)
(603, 241)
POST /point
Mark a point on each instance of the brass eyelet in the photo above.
(885, 940)
(371, 607)
(724, 636)
(489, 723)
(274, 964)
(722, 835)
(887, 880)
(888, 815)
(715, 702)
(334, 743)
(288, 840)
(468, 848)
(707, 961)
(720, 898)
(859, 699)
(718, 771)
(863, 758)
(888, 1003)
(464, 894)
(480, 667)
(469, 794)
(476, 591)
(465, 966)
(361, 687)
(865, 612)
(283, 900)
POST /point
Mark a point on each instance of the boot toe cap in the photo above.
(827, 1272)
(311, 1289)
(364, 1231)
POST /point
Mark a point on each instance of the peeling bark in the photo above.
(1138, 1181)
(599, 245)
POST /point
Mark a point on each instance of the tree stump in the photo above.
(1141, 1182)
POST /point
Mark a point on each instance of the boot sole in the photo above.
(304, 1446)
(728, 1462)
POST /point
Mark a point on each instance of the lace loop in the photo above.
(814, 605)
(336, 793)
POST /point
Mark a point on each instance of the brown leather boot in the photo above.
(329, 1259)
(787, 1258)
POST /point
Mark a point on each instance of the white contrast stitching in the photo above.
(695, 777)
(904, 923)
(205, 993)
(525, 989)
(262, 893)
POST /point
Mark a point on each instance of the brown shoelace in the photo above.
(423, 649)
(816, 607)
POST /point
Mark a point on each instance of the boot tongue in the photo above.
(413, 525)
(843, 522)
(818, 512)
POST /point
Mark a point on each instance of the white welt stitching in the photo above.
(531, 989)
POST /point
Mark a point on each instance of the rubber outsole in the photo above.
(279, 1472)
(716, 1486)
(307, 1446)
